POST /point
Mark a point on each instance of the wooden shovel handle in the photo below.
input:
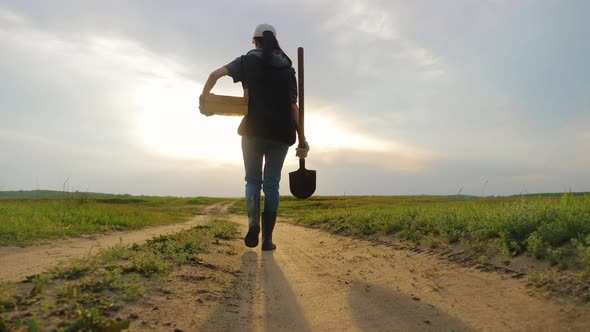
(301, 94)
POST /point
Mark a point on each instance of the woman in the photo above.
(269, 128)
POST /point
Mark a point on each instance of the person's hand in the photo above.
(201, 99)
(302, 150)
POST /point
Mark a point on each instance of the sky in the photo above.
(485, 97)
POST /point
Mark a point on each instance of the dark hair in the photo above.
(269, 43)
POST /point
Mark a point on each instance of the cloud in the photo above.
(335, 139)
(130, 55)
(367, 32)
(84, 78)
(358, 16)
(89, 51)
(8, 17)
(164, 103)
(407, 160)
(413, 98)
(533, 177)
(16, 139)
(583, 159)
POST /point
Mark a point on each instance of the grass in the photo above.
(551, 228)
(25, 221)
(86, 294)
(554, 229)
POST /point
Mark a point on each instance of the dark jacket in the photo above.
(271, 89)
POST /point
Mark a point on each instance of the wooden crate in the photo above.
(225, 105)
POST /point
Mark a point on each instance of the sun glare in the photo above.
(330, 134)
(170, 123)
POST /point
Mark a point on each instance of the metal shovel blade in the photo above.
(302, 181)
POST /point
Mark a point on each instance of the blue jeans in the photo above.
(254, 151)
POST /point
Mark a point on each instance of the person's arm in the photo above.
(213, 77)
(211, 80)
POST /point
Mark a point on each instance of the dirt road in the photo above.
(17, 263)
(316, 281)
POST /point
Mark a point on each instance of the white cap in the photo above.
(264, 27)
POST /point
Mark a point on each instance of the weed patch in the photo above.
(555, 229)
(86, 294)
(25, 221)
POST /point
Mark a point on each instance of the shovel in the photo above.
(302, 181)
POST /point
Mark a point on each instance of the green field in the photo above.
(551, 228)
(554, 228)
(24, 221)
(85, 294)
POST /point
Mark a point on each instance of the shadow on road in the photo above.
(281, 308)
(235, 312)
(380, 309)
(261, 299)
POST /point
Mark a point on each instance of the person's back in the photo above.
(269, 104)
